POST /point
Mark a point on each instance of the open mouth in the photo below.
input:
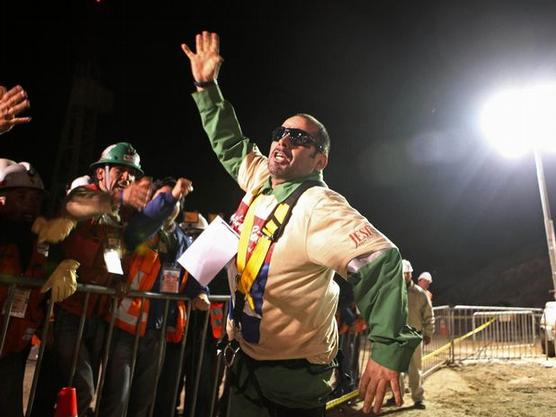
(281, 157)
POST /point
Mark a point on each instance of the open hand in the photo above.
(206, 61)
(137, 193)
(374, 382)
(12, 103)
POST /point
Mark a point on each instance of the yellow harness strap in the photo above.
(248, 267)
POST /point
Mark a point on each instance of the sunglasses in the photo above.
(298, 137)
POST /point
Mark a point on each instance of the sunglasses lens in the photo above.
(300, 138)
(278, 133)
(297, 137)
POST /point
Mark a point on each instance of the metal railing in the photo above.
(461, 333)
(114, 296)
(464, 333)
(487, 332)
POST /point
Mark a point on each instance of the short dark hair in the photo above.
(166, 181)
(323, 137)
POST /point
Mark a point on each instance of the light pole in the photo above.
(548, 223)
(523, 119)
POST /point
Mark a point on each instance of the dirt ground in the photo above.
(495, 388)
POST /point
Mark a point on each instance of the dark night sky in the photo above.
(398, 84)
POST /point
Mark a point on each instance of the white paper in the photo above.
(211, 251)
(113, 262)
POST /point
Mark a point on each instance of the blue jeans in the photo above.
(118, 389)
(66, 327)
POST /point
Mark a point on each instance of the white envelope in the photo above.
(211, 251)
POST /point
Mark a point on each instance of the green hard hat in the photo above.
(121, 153)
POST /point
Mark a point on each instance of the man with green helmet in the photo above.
(96, 243)
(114, 175)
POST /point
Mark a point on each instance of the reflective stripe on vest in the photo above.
(143, 271)
(217, 320)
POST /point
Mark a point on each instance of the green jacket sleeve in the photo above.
(381, 296)
(223, 129)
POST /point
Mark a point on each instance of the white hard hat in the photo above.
(406, 266)
(193, 220)
(79, 182)
(426, 276)
(22, 174)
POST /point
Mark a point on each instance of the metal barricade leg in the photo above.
(39, 359)
(105, 357)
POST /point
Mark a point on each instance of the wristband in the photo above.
(204, 84)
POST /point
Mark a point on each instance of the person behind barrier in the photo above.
(156, 243)
(193, 224)
(101, 210)
(421, 317)
(23, 254)
(424, 281)
(12, 103)
(294, 233)
(21, 193)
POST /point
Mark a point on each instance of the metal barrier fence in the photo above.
(211, 396)
(486, 332)
(461, 332)
(465, 332)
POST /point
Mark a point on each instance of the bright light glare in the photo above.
(517, 120)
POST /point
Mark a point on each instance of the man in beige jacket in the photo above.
(420, 317)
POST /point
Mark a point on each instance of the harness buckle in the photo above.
(230, 353)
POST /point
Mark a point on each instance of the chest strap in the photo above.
(248, 266)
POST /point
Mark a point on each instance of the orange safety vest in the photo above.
(143, 270)
(21, 330)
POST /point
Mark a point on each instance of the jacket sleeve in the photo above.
(381, 296)
(146, 223)
(223, 129)
(84, 203)
(427, 315)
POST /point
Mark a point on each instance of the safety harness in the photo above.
(248, 267)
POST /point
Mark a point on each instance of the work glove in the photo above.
(201, 302)
(63, 281)
(54, 230)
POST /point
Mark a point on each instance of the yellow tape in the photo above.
(344, 398)
(459, 339)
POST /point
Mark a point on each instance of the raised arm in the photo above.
(83, 203)
(218, 116)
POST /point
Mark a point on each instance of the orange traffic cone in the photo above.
(66, 405)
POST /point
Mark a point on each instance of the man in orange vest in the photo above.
(23, 254)
(193, 225)
(21, 193)
(101, 210)
(157, 242)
